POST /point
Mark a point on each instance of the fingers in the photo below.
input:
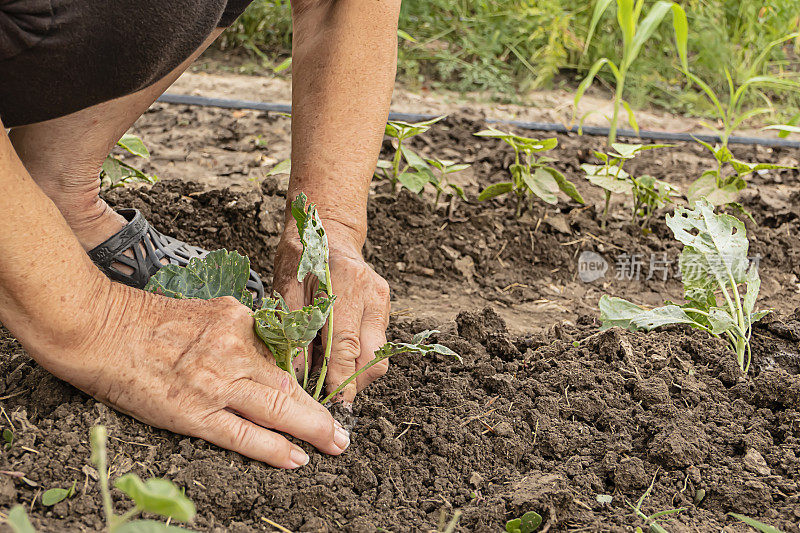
(279, 408)
(232, 432)
(345, 349)
(373, 335)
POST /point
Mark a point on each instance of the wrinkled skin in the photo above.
(196, 367)
(361, 311)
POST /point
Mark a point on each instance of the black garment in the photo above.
(60, 56)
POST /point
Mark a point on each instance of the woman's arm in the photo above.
(344, 60)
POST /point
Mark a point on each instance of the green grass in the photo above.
(510, 46)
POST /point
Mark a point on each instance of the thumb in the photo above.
(345, 349)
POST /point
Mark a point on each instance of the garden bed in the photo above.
(544, 414)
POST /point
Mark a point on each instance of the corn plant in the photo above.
(287, 333)
(648, 193)
(721, 185)
(156, 496)
(634, 35)
(713, 262)
(406, 167)
(530, 173)
(116, 173)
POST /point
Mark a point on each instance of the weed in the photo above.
(530, 174)
(653, 520)
(527, 523)
(56, 495)
(752, 522)
(713, 260)
(415, 173)
(155, 495)
(116, 173)
(287, 333)
(648, 193)
(634, 35)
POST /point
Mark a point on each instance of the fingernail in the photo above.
(298, 457)
(341, 437)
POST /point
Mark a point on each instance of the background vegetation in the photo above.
(511, 46)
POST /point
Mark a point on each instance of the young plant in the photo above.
(634, 35)
(116, 173)
(720, 185)
(287, 333)
(414, 173)
(530, 174)
(527, 523)
(713, 263)
(652, 521)
(755, 524)
(156, 496)
(8, 439)
(648, 193)
(56, 495)
(442, 182)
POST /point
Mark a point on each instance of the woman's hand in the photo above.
(195, 367)
(361, 310)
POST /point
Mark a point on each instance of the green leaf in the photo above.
(285, 64)
(631, 116)
(785, 129)
(158, 496)
(542, 184)
(566, 186)
(134, 145)
(646, 28)
(147, 526)
(314, 258)
(721, 321)
(494, 190)
(284, 167)
(405, 36)
(760, 526)
(284, 331)
(456, 168)
(459, 191)
(681, 26)
(55, 495)
(384, 164)
(413, 159)
(718, 240)
(622, 313)
(753, 284)
(527, 523)
(18, 520)
(605, 177)
(599, 8)
(415, 181)
(220, 273)
(629, 151)
(8, 436)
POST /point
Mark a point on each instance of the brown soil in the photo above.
(544, 414)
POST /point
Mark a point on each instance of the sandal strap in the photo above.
(149, 247)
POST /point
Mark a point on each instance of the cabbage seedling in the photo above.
(530, 173)
(414, 173)
(287, 333)
(713, 263)
(647, 192)
(116, 173)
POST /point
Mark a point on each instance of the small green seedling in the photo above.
(56, 495)
(8, 439)
(155, 495)
(752, 522)
(721, 186)
(414, 173)
(527, 523)
(654, 520)
(634, 35)
(531, 175)
(648, 193)
(713, 261)
(448, 526)
(116, 173)
(442, 182)
(287, 333)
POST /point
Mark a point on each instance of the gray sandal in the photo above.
(149, 247)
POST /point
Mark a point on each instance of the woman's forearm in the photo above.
(48, 285)
(343, 69)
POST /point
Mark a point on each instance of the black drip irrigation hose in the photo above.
(602, 131)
